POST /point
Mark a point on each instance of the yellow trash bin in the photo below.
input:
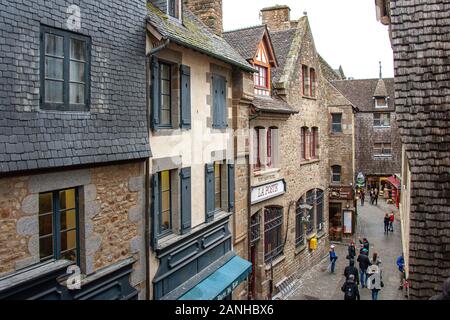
(313, 244)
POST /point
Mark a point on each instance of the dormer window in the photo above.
(381, 102)
(173, 8)
(261, 79)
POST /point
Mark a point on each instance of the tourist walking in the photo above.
(351, 251)
(350, 289)
(365, 245)
(333, 258)
(374, 281)
(364, 263)
(391, 221)
(401, 269)
(362, 195)
(351, 270)
(387, 223)
(375, 196)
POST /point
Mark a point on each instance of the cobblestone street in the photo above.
(318, 284)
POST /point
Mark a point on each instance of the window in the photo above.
(382, 119)
(261, 78)
(255, 224)
(303, 138)
(58, 225)
(257, 147)
(314, 142)
(336, 174)
(173, 8)
(65, 62)
(299, 229)
(165, 216)
(219, 85)
(273, 221)
(336, 125)
(319, 209)
(272, 147)
(305, 81)
(381, 102)
(312, 82)
(382, 150)
(165, 94)
(217, 186)
(310, 201)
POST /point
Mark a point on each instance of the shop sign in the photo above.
(268, 191)
(341, 193)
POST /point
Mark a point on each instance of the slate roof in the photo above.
(245, 40)
(361, 92)
(272, 105)
(286, 49)
(195, 35)
(420, 38)
(380, 90)
(329, 73)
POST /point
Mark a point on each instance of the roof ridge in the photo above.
(245, 28)
(365, 79)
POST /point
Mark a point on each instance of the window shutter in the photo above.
(209, 191)
(185, 96)
(155, 208)
(230, 187)
(219, 102)
(185, 177)
(223, 102)
(155, 92)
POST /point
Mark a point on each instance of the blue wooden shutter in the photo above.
(209, 191)
(155, 93)
(215, 102)
(185, 102)
(223, 102)
(185, 177)
(155, 208)
(230, 187)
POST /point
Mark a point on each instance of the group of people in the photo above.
(389, 222)
(368, 276)
(374, 196)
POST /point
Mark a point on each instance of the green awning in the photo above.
(222, 282)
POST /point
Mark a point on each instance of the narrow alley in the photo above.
(319, 284)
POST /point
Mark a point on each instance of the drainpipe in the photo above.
(147, 172)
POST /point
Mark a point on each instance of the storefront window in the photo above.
(273, 221)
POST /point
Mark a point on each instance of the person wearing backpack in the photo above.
(350, 289)
(351, 270)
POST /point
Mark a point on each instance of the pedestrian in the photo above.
(401, 269)
(351, 251)
(333, 258)
(365, 244)
(374, 281)
(362, 197)
(375, 197)
(391, 221)
(351, 270)
(387, 223)
(350, 289)
(445, 295)
(364, 263)
(376, 261)
(371, 196)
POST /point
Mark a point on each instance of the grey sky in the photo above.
(346, 32)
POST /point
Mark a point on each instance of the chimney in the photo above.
(209, 12)
(276, 17)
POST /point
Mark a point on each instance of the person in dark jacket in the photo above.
(362, 195)
(351, 251)
(386, 223)
(350, 289)
(445, 295)
(366, 245)
(364, 263)
(351, 270)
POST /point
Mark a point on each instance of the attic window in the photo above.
(173, 8)
(381, 102)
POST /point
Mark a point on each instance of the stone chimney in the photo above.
(209, 12)
(276, 17)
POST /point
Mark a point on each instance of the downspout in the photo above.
(147, 172)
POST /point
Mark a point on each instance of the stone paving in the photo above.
(318, 284)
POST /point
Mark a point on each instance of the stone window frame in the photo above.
(382, 147)
(67, 36)
(309, 82)
(335, 173)
(381, 106)
(378, 123)
(335, 124)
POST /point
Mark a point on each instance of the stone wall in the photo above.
(210, 13)
(111, 214)
(276, 18)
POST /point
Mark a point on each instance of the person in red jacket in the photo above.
(391, 221)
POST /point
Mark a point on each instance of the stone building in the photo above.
(199, 92)
(419, 34)
(73, 146)
(378, 146)
(342, 155)
(289, 138)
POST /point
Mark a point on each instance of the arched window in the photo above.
(299, 230)
(273, 223)
(336, 172)
(310, 217)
